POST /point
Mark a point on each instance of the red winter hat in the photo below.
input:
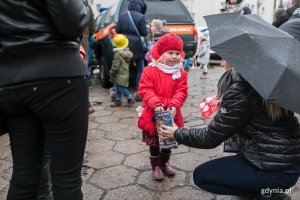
(166, 43)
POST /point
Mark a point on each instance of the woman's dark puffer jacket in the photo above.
(266, 144)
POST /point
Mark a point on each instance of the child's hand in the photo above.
(158, 109)
(173, 111)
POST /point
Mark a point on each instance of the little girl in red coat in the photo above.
(163, 85)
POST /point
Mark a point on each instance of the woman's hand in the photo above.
(167, 132)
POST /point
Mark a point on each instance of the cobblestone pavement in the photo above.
(116, 164)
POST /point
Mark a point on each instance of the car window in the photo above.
(173, 11)
(98, 21)
(110, 14)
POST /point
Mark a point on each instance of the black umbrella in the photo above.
(267, 57)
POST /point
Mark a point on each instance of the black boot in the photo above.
(117, 103)
(45, 191)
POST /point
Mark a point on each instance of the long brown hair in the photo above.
(274, 111)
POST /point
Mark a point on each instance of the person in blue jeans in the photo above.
(90, 60)
(119, 71)
(268, 160)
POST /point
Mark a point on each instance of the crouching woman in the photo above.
(269, 149)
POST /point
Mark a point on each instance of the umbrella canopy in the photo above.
(267, 57)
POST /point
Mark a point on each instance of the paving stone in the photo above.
(98, 107)
(196, 114)
(191, 179)
(297, 185)
(122, 135)
(114, 177)
(106, 119)
(133, 120)
(3, 183)
(130, 193)
(102, 113)
(5, 151)
(93, 125)
(7, 173)
(4, 165)
(295, 195)
(228, 197)
(125, 114)
(193, 123)
(185, 193)
(146, 180)
(187, 161)
(4, 140)
(140, 161)
(181, 149)
(86, 173)
(3, 193)
(96, 134)
(95, 146)
(211, 153)
(104, 159)
(130, 146)
(113, 127)
(135, 129)
(91, 192)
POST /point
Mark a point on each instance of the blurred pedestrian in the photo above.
(287, 14)
(278, 13)
(156, 30)
(163, 86)
(238, 6)
(89, 32)
(119, 71)
(132, 24)
(91, 60)
(44, 93)
(292, 26)
(202, 55)
(269, 143)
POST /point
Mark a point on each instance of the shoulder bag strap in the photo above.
(132, 22)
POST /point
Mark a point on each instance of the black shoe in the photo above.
(116, 104)
(137, 97)
(279, 196)
(130, 103)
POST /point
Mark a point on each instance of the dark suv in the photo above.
(179, 21)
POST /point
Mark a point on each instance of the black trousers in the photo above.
(52, 109)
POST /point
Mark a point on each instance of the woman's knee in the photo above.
(199, 176)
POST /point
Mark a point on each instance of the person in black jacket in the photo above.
(292, 26)
(130, 28)
(269, 143)
(287, 14)
(44, 93)
(238, 6)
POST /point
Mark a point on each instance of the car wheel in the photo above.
(104, 73)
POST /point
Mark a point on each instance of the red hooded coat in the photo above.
(157, 87)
